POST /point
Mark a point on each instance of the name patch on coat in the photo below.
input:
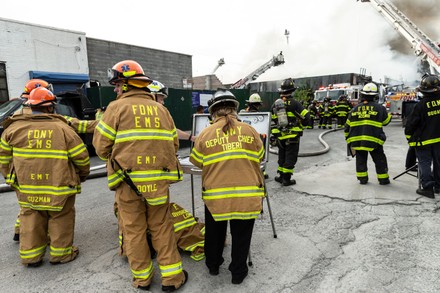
(146, 116)
(39, 139)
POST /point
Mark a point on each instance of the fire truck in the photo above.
(334, 91)
(243, 82)
(423, 46)
(395, 101)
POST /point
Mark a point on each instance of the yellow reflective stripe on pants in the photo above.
(143, 274)
(54, 251)
(31, 253)
(171, 270)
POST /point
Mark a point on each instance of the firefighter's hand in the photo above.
(82, 178)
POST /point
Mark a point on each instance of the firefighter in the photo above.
(80, 126)
(364, 134)
(190, 233)
(138, 139)
(161, 93)
(223, 150)
(253, 104)
(288, 134)
(326, 110)
(313, 111)
(423, 133)
(45, 161)
(341, 110)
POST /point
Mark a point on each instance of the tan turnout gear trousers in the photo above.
(34, 237)
(135, 215)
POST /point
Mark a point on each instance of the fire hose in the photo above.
(315, 153)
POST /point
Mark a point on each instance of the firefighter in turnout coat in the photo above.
(138, 139)
(45, 161)
(326, 110)
(288, 135)
(364, 134)
(341, 110)
(80, 126)
(223, 150)
(423, 133)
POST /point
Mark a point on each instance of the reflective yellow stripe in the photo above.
(362, 174)
(184, 224)
(144, 134)
(62, 251)
(236, 216)
(143, 274)
(33, 252)
(157, 201)
(171, 270)
(106, 130)
(232, 192)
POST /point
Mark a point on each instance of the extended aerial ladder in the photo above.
(274, 61)
(423, 46)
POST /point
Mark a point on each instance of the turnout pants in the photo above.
(215, 236)
(380, 162)
(427, 155)
(38, 228)
(288, 150)
(341, 121)
(136, 216)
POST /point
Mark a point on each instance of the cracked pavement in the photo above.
(333, 234)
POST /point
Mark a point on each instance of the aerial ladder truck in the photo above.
(423, 46)
(274, 61)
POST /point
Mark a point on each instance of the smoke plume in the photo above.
(338, 36)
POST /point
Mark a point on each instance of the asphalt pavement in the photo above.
(332, 234)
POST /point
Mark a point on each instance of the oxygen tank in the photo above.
(280, 110)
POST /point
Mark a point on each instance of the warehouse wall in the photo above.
(28, 47)
(168, 67)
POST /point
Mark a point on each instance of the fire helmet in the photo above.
(41, 97)
(222, 96)
(156, 87)
(254, 98)
(33, 84)
(429, 84)
(370, 89)
(130, 72)
(287, 86)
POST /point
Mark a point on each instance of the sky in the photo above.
(325, 36)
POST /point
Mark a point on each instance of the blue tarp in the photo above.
(58, 77)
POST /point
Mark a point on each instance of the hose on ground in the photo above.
(315, 153)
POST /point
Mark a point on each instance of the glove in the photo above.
(82, 178)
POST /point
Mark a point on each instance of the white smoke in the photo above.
(348, 37)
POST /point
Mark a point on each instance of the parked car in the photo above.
(72, 104)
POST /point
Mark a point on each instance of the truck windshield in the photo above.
(333, 94)
(10, 106)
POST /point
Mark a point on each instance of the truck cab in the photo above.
(334, 91)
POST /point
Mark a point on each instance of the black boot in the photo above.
(279, 178)
(287, 181)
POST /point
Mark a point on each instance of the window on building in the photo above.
(4, 96)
